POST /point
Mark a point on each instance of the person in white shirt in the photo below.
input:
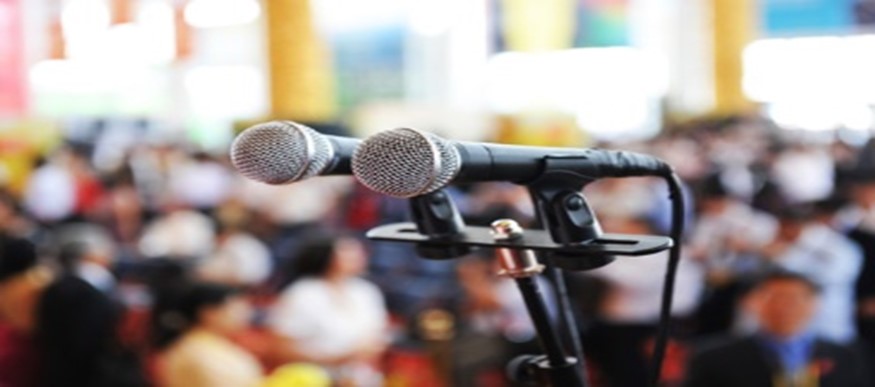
(50, 195)
(829, 259)
(200, 182)
(725, 240)
(181, 233)
(239, 258)
(328, 314)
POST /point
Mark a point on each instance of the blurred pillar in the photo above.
(57, 48)
(121, 11)
(301, 86)
(184, 37)
(734, 26)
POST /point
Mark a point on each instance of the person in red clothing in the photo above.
(18, 361)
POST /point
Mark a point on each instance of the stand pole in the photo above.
(523, 266)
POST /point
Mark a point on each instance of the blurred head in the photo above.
(714, 196)
(863, 192)
(8, 208)
(792, 222)
(17, 256)
(212, 307)
(329, 256)
(785, 303)
(83, 242)
(21, 280)
(218, 308)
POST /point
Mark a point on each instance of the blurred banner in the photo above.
(367, 47)
(602, 23)
(523, 25)
(816, 17)
(369, 64)
(13, 98)
(21, 143)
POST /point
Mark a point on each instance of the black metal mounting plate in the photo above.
(607, 244)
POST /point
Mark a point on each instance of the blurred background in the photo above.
(116, 117)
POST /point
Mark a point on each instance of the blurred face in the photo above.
(6, 213)
(790, 230)
(229, 317)
(349, 258)
(864, 195)
(785, 307)
(715, 205)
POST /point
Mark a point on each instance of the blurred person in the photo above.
(125, 209)
(151, 164)
(858, 220)
(829, 259)
(192, 331)
(68, 326)
(490, 201)
(180, 232)
(239, 258)
(495, 323)
(494, 304)
(409, 283)
(783, 351)
(12, 221)
(306, 202)
(200, 181)
(724, 239)
(817, 181)
(619, 340)
(88, 252)
(50, 195)
(328, 314)
(89, 192)
(292, 209)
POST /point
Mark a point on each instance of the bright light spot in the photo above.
(339, 16)
(803, 116)
(63, 87)
(818, 83)
(433, 17)
(90, 38)
(613, 92)
(221, 13)
(157, 29)
(858, 118)
(226, 92)
(82, 19)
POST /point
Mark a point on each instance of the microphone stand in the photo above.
(554, 368)
(571, 239)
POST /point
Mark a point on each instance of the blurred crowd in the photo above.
(162, 266)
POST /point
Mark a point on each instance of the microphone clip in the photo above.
(436, 216)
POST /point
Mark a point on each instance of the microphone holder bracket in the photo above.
(533, 239)
(435, 215)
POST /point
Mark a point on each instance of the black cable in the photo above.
(674, 256)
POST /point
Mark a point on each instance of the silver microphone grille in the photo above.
(405, 162)
(280, 152)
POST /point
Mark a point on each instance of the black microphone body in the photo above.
(523, 164)
(406, 162)
(341, 163)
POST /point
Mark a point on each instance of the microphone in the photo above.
(283, 152)
(407, 162)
